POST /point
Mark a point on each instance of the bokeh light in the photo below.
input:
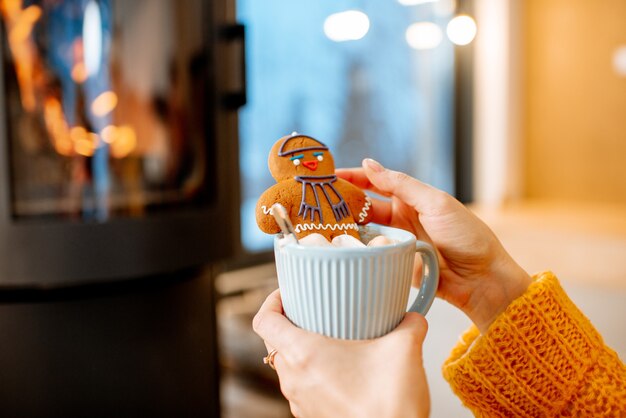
(424, 35)
(461, 30)
(350, 25)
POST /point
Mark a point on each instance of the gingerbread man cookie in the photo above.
(316, 200)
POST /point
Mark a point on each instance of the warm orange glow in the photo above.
(34, 95)
(95, 140)
(84, 147)
(104, 103)
(23, 25)
(122, 139)
(78, 133)
(109, 134)
(57, 126)
(79, 72)
(52, 106)
(85, 143)
(19, 23)
(79, 69)
(124, 142)
(64, 147)
(11, 8)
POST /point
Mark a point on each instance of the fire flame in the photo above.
(85, 142)
(20, 23)
(104, 103)
(57, 126)
(67, 141)
(122, 139)
(79, 72)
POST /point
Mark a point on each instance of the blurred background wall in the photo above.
(549, 137)
(575, 88)
(550, 93)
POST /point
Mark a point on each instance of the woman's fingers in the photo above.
(357, 177)
(382, 211)
(377, 179)
(271, 325)
(422, 197)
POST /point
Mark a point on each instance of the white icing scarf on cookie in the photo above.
(325, 227)
(366, 208)
(362, 214)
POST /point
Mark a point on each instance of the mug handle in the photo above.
(430, 280)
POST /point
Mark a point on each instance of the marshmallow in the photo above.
(347, 241)
(342, 241)
(315, 240)
(380, 241)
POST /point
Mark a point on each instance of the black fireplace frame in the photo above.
(45, 253)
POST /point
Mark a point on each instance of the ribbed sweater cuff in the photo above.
(531, 361)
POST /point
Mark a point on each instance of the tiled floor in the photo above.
(242, 399)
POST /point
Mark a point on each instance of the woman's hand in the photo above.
(476, 274)
(325, 377)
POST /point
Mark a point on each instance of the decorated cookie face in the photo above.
(316, 200)
(300, 155)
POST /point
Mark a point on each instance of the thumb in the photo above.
(413, 323)
(421, 196)
(273, 326)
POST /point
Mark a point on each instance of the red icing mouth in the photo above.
(311, 165)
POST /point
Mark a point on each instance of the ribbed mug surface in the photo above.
(349, 293)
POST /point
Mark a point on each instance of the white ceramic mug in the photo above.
(354, 293)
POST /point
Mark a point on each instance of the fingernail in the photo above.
(373, 165)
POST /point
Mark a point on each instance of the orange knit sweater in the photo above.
(540, 358)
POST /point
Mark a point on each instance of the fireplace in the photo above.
(119, 197)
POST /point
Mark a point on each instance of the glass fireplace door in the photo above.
(106, 104)
(117, 147)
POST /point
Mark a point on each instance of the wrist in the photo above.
(506, 282)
